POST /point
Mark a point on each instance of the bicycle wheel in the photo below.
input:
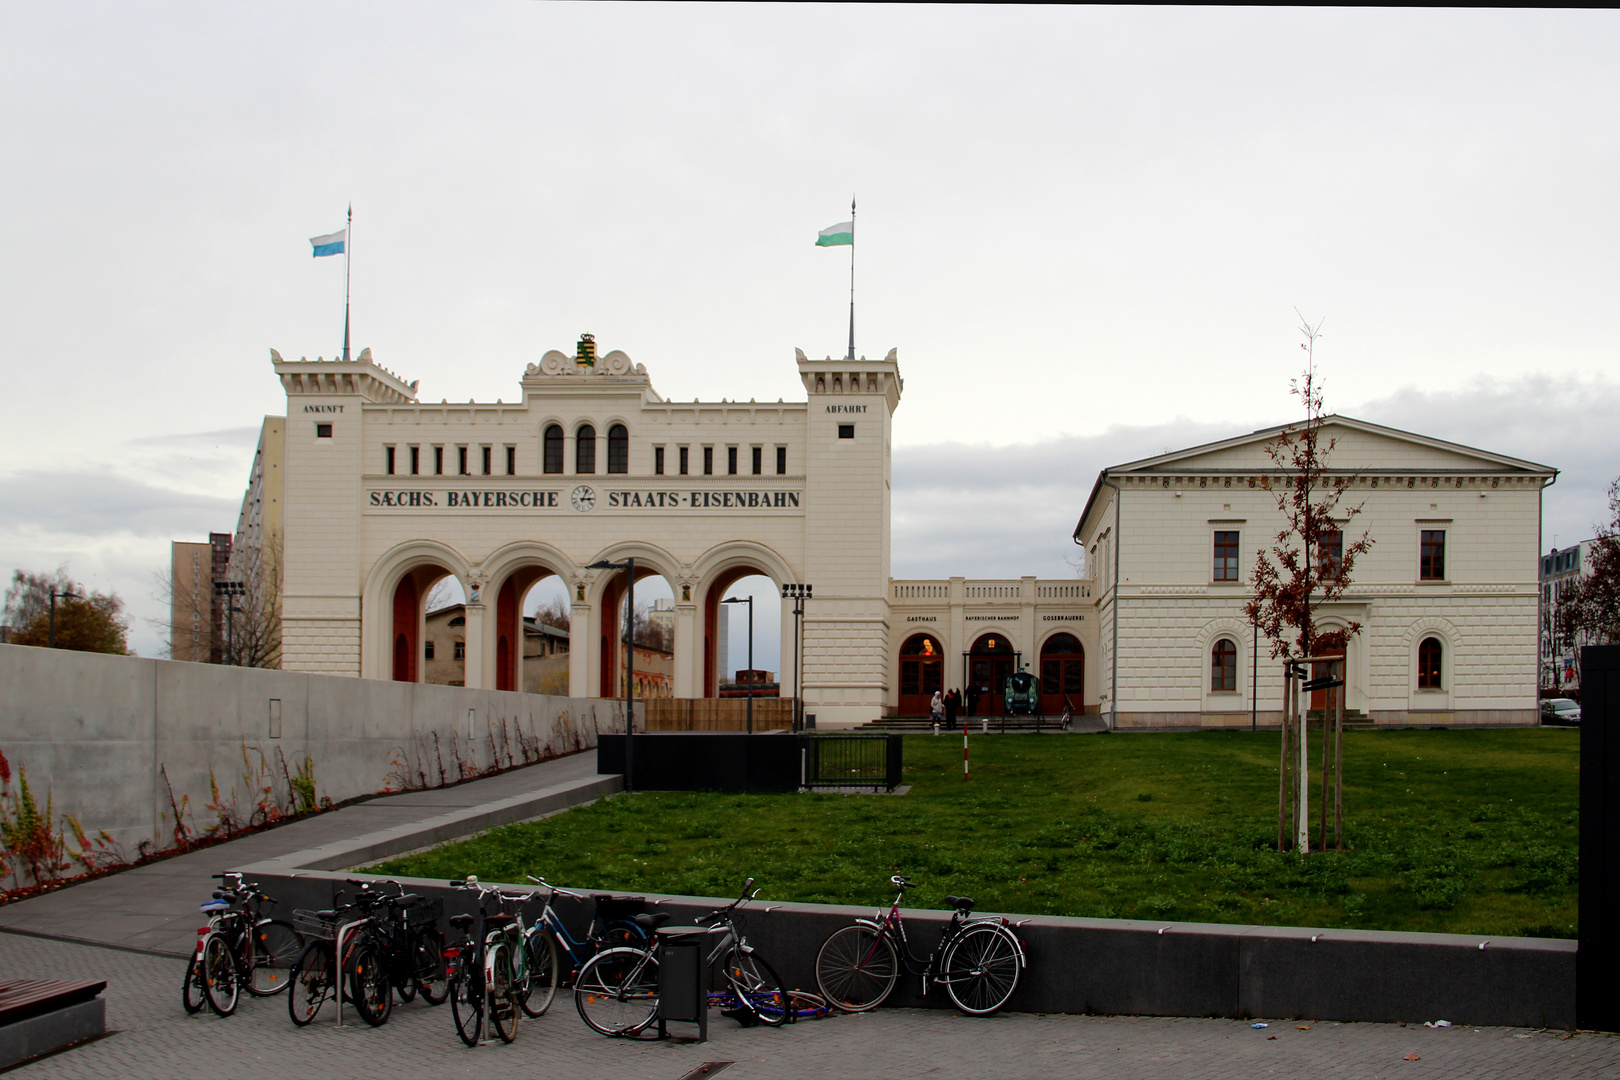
(370, 987)
(616, 992)
(621, 934)
(432, 980)
(276, 947)
(503, 1004)
(857, 968)
(758, 987)
(545, 971)
(981, 969)
(220, 983)
(467, 1000)
(312, 980)
(191, 991)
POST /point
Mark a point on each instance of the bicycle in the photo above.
(357, 951)
(240, 949)
(487, 967)
(616, 992)
(978, 960)
(610, 926)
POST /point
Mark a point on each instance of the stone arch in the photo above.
(715, 571)
(398, 587)
(511, 570)
(605, 594)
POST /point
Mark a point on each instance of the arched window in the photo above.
(554, 448)
(585, 449)
(1429, 657)
(618, 449)
(1223, 665)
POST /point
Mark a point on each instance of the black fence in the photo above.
(721, 761)
(850, 761)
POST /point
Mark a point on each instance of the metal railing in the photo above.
(850, 761)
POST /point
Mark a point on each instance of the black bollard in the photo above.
(1597, 991)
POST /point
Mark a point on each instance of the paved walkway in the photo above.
(154, 907)
(155, 1038)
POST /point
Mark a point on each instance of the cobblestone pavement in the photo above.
(155, 906)
(154, 1038)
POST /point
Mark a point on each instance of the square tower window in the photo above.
(323, 431)
(846, 431)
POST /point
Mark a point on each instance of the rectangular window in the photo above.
(323, 431)
(461, 650)
(438, 461)
(731, 461)
(1226, 556)
(684, 454)
(708, 461)
(427, 651)
(658, 461)
(511, 461)
(846, 431)
(781, 461)
(388, 460)
(461, 460)
(416, 460)
(1330, 553)
(486, 460)
(759, 462)
(1432, 555)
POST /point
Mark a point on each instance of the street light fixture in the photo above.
(749, 600)
(230, 590)
(65, 594)
(629, 568)
(798, 593)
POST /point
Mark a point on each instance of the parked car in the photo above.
(1560, 710)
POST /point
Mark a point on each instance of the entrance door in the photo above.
(1063, 674)
(922, 672)
(990, 662)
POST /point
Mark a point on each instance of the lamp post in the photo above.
(749, 600)
(629, 568)
(230, 590)
(65, 594)
(798, 593)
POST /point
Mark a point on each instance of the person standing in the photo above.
(953, 702)
(937, 706)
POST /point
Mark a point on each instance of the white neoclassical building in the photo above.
(386, 494)
(1447, 597)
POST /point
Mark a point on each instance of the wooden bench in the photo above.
(38, 1016)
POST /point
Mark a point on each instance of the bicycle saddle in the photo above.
(410, 899)
(461, 922)
(963, 904)
(653, 921)
(328, 915)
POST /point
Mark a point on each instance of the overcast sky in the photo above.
(1086, 230)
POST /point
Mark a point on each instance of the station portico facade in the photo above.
(386, 495)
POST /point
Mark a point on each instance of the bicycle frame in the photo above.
(893, 926)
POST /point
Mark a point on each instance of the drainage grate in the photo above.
(708, 1068)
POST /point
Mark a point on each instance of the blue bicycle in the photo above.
(613, 923)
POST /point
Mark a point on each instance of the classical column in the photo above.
(688, 652)
(474, 676)
(579, 650)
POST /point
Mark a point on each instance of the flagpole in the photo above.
(348, 243)
(852, 277)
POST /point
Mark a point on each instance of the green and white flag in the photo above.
(834, 235)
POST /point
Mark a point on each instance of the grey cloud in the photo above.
(103, 505)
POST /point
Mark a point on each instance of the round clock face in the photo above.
(583, 498)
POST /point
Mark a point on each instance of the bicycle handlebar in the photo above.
(553, 888)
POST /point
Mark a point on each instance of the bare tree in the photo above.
(251, 624)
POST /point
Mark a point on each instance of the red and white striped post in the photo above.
(964, 753)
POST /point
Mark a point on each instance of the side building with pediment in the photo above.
(1447, 597)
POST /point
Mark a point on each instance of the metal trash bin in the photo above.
(683, 978)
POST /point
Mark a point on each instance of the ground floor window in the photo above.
(1223, 665)
(1430, 654)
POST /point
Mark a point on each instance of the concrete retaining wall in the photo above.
(1116, 966)
(100, 733)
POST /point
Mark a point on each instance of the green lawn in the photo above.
(1455, 831)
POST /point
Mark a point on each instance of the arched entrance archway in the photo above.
(512, 632)
(922, 672)
(714, 625)
(654, 619)
(991, 660)
(1063, 674)
(406, 639)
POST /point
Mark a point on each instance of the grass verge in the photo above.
(1450, 831)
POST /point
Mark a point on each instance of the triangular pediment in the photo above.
(1358, 446)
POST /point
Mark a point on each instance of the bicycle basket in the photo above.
(427, 912)
(609, 907)
(311, 925)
